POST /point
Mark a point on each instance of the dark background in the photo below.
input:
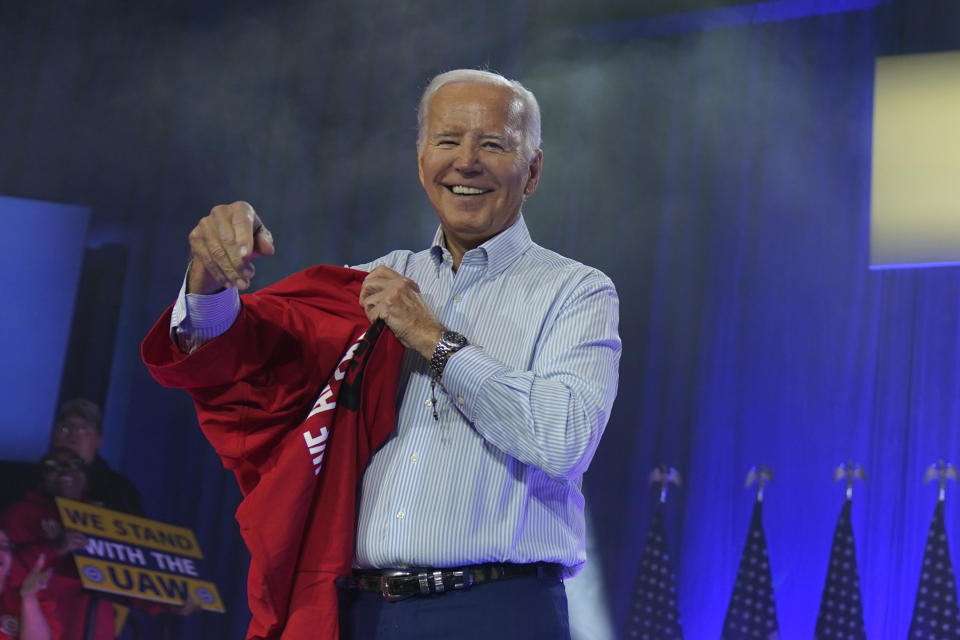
(712, 158)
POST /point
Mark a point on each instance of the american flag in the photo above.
(935, 613)
(655, 615)
(752, 613)
(841, 609)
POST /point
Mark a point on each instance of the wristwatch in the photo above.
(450, 343)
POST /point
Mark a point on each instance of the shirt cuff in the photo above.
(197, 319)
(465, 374)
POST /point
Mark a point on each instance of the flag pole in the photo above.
(941, 472)
(849, 471)
(665, 475)
(761, 474)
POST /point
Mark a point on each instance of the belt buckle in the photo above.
(385, 585)
(463, 579)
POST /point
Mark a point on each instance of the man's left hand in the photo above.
(396, 300)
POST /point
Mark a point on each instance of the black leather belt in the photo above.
(397, 584)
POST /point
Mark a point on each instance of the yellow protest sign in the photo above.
(137, 557)
(127, 529)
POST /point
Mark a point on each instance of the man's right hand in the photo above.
(224, 245)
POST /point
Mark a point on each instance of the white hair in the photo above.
(527, 102)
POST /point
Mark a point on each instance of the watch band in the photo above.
(450, 342)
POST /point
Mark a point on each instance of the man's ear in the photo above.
(420, 168)
(533, 179)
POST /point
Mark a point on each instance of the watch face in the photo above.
(454, 338)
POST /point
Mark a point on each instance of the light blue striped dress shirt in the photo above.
(521, 410)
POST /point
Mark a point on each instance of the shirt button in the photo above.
(400, 515)
(459, 399)
(414, 457)
(457, 298)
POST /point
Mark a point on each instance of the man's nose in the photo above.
(467, 160)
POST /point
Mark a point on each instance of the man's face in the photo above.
(472, 165)
(79, 434)
(63, 474)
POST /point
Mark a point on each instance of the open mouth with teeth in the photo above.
(66, 485)
(461, 190)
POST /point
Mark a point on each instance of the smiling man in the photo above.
(79, 427)
(473, 162)
(471, 513)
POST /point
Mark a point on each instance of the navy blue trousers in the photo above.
(527, 608)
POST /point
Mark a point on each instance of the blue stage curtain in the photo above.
(732, 169)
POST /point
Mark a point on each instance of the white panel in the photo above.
(915, 190)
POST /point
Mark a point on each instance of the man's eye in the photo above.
(494, 146)
(446, 143)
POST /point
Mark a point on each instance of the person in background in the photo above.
(79, 427)
(33, 525)
(23, 614)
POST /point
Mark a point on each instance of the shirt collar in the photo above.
(498, 252)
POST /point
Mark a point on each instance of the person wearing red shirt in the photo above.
(33, 525)
(23, 614)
